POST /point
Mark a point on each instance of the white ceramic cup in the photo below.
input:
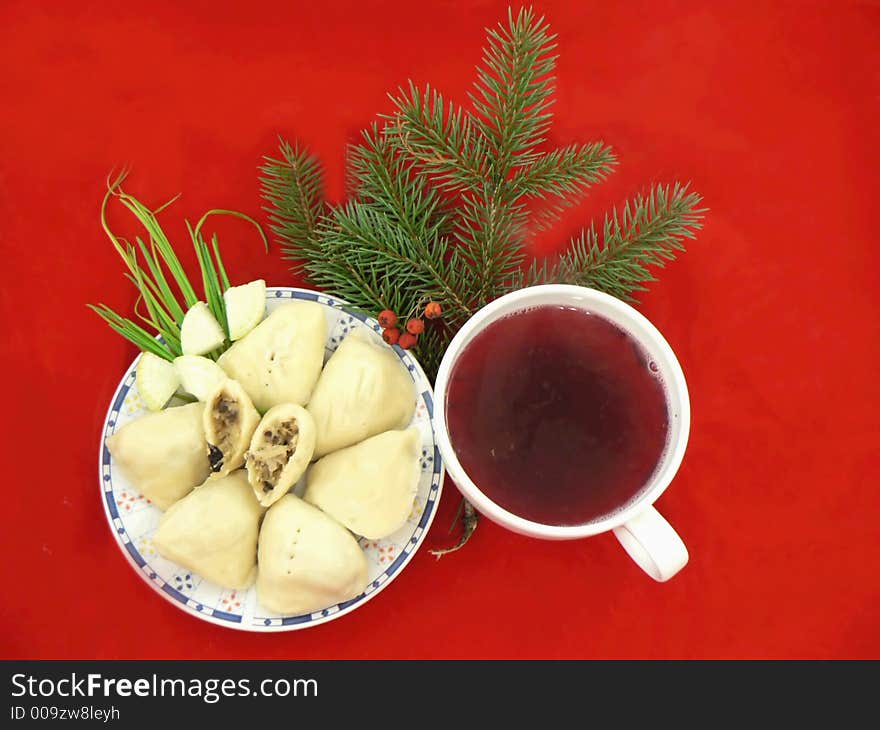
(648, 538)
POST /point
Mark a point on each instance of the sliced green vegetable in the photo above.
(200, 332)
(245, 307)
(157, 380)
(198, 375)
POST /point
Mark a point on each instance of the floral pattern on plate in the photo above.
(133, 520)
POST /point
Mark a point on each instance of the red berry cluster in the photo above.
(407, 338)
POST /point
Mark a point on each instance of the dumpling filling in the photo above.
(225, 418)
(269, 460)
(230, 421)
(280, 451)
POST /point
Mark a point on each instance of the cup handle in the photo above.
(653, 544)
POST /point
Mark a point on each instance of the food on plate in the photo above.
(225, 475)
(213, 531)
(364, 390)
(157, 380)
(279, 361)
(245, 307)
(307, 561)
(200, 332)
(280, 450)
(198, 375)
(229, 422)
(369, 487)
(163, 455)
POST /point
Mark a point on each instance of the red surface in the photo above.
(769, 108)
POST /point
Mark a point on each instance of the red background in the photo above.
(770, 109)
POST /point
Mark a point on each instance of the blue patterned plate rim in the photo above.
(287, 623)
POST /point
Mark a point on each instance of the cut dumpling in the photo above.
(280, 451)
(213, 531)
(307, 561)
(364, 390)
(279, 361)
(369, 487)
(230, 420)
(163, 454)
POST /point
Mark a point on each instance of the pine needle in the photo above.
(293, 188)
(647, 232)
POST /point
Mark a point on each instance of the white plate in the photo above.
(133, 519)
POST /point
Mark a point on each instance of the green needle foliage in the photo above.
(444, 199)
(165, 309)
(648, 232)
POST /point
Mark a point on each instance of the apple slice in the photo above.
(198, 375)
(200, 333)
(157, 380)
(245, 307)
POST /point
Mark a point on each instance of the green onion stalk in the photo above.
(153, 266)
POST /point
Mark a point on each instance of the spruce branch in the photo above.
(293, 188)
(388, 261)
(649, 231)
(384, 179)
(514, 90)
(418, 239)
(564, 173)
(341, 270)
(560, 179)
(440, 137)
(444, 145)
(489, 229)
(489, 161)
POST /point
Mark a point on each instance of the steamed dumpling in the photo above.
(280, 451)
(364, 390)
(229, 421)
(369, 487)
(307, 561)
(279, 361)
(213, 531)
(164, 454)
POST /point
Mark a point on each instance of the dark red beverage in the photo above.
(557, 415)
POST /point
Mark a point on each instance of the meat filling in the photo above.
(279, 444)
(227, 426)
